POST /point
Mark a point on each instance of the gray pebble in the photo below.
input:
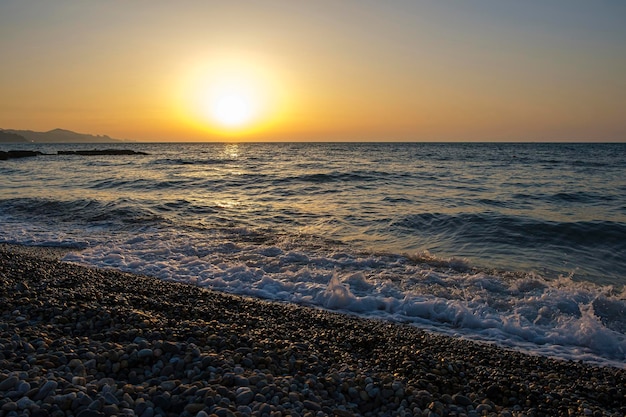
(9, 406)
(24, 403)
(47, 389)
(461, 400)
(8, 383)
(244, 396)
(90, 413)
(23, 387)
(145, 353)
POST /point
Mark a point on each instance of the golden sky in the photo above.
(496, 70)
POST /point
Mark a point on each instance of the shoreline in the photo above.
(84, 342)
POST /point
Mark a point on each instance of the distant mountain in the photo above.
(6, 137)
(60, 136)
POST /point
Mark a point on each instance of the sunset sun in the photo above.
(230, 97)
(232, 109)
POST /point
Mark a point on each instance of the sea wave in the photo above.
(561, 318)
(77, 213)
(588, 248)
(517, 230)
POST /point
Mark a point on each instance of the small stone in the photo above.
(241, 381)
(194, 408)
(170, 347)
(79, 380)
(109, 398)
(46, 390)
(493, 391)
(24, 403)
(90, 413)
(145, 353)
(95, 405)
(110, 410)
(168, 385)
(39, 412)
(23, 387)
(244, 396)
(167, 370)
(148, 412)
(129, 400)
(312, 405)
(10, 406)
(74, 363)
(9, 383)
(223, 412)
(343, 413)
(163, 401)
(461, 400)
(140, 406)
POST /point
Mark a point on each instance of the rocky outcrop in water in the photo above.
(96, 152)
(18, 154)
(4, 155)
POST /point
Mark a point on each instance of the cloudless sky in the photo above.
(472, 70)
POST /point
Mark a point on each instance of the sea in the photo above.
(522, 245)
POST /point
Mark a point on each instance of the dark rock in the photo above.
(145, 353)
(47, 389)
(170, 347)
(8, 383)
(148, 412)
(110, 410)
(4, 155)
(244, 396)
(97, 152)
(194, 408)
(461, 400)
(162, 401)
(40, 412)
(312, 405)
(493, 391)
(90, 413)
(223, 412)
(9, 406)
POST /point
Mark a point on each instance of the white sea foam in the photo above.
(555, 318)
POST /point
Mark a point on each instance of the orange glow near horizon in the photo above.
(229, 98)
(316, 71)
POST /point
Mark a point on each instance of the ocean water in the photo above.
(522, 245)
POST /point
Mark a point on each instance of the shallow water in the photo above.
(519, 244)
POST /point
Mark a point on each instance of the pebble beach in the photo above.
(87, 342)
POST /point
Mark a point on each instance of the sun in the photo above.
(231, 103)
(234, 97)
(232, 109)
